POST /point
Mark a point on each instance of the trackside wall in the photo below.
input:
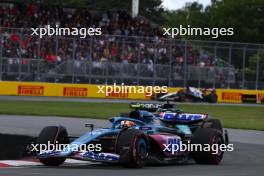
(91, 91)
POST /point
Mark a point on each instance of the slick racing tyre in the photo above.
(215, 124)
(211, 98)
(182, 96)
(53, 134)
(208, 137)
(132, 146)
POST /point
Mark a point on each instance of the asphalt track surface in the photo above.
(246, 160)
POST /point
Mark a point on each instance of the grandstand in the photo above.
(130, 51)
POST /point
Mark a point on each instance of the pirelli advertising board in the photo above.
(64, 90)
(92, 91)
(240, 96)
(30, 90)
(75, 91)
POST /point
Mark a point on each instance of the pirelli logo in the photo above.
(75, 92)
(112, 94)
(31, 90)
(237, 97)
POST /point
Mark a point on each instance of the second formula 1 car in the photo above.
(190, 94)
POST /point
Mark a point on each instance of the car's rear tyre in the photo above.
(211, 98)
(215, 124)
(132, 146)
(205, 137)
(52, 134)
(182, 96)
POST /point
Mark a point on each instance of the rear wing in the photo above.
(168, 96)
(151, 107)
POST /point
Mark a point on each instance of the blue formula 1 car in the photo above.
(150, 133)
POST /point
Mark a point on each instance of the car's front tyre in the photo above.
(208, 137)
(132, 146)
(52, 134)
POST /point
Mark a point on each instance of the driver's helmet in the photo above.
(127, 123)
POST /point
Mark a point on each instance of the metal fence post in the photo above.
(1, 58)
(20, 56)
(73, 58)
(185, 64)
(170, 66)
(199, 76)
(215, 56)
(90, 61)
(138, 66)
(56, 53)
(38, 57)
(229, 66)
(155, 67)
(57, 45)
(257, 70)
(123, 49)
(244, 65)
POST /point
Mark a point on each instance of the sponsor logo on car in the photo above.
(101, 156)
(145, 105)
(31, 90)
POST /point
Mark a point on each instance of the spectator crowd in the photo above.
(124, 40)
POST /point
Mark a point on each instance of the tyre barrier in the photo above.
(14, 146)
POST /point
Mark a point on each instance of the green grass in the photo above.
(231, 116)
(243, 117)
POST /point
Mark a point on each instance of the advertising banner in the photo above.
(107, 91)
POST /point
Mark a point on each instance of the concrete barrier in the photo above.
(91, 91)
